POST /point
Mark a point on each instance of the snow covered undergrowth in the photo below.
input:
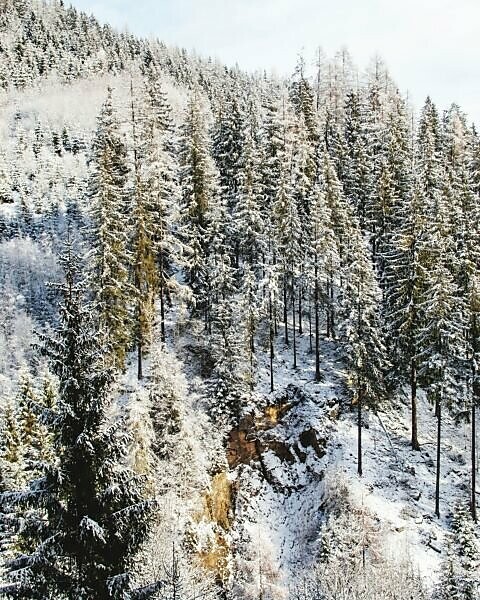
(280, 494)
(398, 484)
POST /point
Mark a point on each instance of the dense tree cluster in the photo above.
(272, 210)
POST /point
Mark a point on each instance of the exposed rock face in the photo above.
(277, 457)
(281, 433)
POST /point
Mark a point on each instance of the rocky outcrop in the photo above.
(280, 434)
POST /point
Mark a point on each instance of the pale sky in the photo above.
(430, 46)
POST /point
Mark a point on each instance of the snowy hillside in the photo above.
(240, 326)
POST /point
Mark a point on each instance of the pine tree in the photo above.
(219, 274)
(342, 223)
(5, 182)
(459, 578)
(11, 450)
(109, 210)
(34, 438)
(248, 220)
(199, 183)
(87, 512)
(160, 181)
(249, 310)
(227, 150)
(287, 238)
(403, 285)
(463, 208)
(302, 97)
(439, 340)
(323, 263)
(358, 178)
(362, 330)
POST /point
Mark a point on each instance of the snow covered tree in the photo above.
(87, 513)
(440, 339)
(199, 184)
(11, 451)
(109, 211)
(323, 263)
(227, 150)
(34, 438)
(366, 354)
(160, 180)
(341, 218)
(143, 251)
(459, 578)
(440, 342)
(5, 182)
(358, 180)
(288, 236)
(248, 220)
(248, 306)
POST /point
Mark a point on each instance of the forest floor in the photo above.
(281, 515)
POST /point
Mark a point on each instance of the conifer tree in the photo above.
(199, 184)
(11, 450)
(403, 278)
(227, 150)
(362, 330)
(287, 238)
(459, 579)
(440, 341)
(249, 309)
(358, 178)
(109, 210)
(160, 180)
(34, 438)
(87, 512)
(342, 224)
(323, 263)
(248, 220)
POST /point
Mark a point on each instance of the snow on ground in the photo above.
(397, 487)
(279, 494)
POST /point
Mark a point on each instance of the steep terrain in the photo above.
(274, 202)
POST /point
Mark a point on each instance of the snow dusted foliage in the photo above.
(26, 266)
(355, 564)
(282, 284)
(177, 445)
(80, 521)
(460, 577)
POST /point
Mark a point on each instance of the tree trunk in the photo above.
(294, 332)
(317, 327)
(413, 386)
(475, 395)
(300, 325)
(270, 307)
(332, 311)
(474, 466)
(162, 313)
(328, 303)
(310, 333)
(359, 425)
(285, 315)
(437, 478)
(139, 358)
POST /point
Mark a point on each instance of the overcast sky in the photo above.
(430, 46)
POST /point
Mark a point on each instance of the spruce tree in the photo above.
(159, 175)
(440, 339)
(460, 578)
(362, 331)
(323, 262)
(288, 243)
(87, 513)
(199, 184)
(109, 210)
